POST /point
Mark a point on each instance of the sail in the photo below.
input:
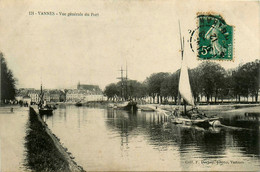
(184, 84)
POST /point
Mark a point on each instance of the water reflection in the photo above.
(109, 139)
(246, 120)
(192, 141)
(151, 124)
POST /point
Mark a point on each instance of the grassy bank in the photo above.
(42, 153)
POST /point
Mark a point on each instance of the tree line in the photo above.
(209, 80)
(7, 81)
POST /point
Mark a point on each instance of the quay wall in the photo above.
(56, 157)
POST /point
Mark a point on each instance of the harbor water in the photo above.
(110, 139)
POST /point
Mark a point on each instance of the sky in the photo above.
(60, 51)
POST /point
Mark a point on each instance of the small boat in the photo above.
(193, 116)
(44, 109)
(78, 104)
(128, 105)
(203, 122)
(146, 109)
(131, 106)
(54, 107)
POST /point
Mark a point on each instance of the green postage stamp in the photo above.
(214, 39)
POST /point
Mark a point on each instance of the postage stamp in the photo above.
(213, 38)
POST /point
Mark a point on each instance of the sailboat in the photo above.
(193, 116)
(43, 108)
(126, 104)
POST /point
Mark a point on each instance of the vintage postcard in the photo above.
(129, 85)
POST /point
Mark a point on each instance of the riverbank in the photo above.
(44, 151)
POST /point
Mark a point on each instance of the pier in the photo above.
(50, 155)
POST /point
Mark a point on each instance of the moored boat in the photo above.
(127, 105)
(78, 104)
(131, 106)
(206, 122)
(146, 108)
(54, 107)
(44, 109)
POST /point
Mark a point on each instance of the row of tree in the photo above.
(209, 79)
(7, 81)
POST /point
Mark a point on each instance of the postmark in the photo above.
(213, 38)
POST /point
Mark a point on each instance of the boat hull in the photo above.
(45, 111)
(207, 122)
(130, 106)
(78, 104)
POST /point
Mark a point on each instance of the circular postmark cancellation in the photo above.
(212, 39)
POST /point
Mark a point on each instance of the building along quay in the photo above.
(82, 93)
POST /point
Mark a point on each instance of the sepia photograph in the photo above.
(129, 85)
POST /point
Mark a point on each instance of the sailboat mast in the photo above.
(182, 50)
(182, 54)
(185, 103)
(182, 41)
(122, 83)
(126, 94)
(41, 94)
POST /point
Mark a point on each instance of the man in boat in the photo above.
(195, 114)
(177, 112)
